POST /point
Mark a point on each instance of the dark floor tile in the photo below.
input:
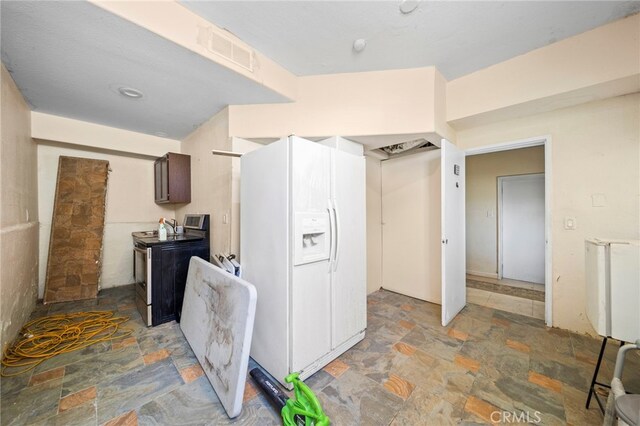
(381, 327)
(404, 340)
(481, 328)
(575, 412)
(440, 345)
(354, 399)
(79, 416)
(170, 337)
(497, 360)
(570, 372)
(319, 380)
(13, 384)
(440, 377)
(477, 311)
(71, 357)
(372, 362)
(134, 389)
(31, 404)
(98, 368)
(426, 408)
(73, 307)
(195, 401)
(514, 395)
(519, 319)
(390, 312)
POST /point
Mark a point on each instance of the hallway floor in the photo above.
(514, 296)
(408, 370)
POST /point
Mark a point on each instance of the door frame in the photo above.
(501, 179)
(545, 141)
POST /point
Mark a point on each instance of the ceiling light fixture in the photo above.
(161, 134)
(130, 92)
(359, 45)
(408, 6)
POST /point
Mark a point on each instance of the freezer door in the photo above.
(625, 291)
(349, 278)
(597, 283)
(310, 284)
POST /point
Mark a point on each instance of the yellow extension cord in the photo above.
(46, 337)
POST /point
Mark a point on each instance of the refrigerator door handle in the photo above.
(332, 232)
(336, 253)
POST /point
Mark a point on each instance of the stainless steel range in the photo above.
(160, 268)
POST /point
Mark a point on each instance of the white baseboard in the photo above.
(483, 274)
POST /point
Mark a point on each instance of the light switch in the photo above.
(570, 223)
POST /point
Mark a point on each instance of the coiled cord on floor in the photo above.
(46, 337)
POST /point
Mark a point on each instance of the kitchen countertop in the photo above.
(150, 238)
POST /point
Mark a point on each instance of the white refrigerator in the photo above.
(612, 269)
(303, 246)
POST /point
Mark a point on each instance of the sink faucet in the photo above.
(172, 223)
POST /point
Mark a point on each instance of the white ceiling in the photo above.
(70, 58)
(316, 37)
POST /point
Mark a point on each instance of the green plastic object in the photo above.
(305, 409)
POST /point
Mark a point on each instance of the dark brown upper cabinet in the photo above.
(173, 179)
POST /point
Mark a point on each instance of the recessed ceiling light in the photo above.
(130, 92)
(408, 6)
(359, 45)
(161, 134)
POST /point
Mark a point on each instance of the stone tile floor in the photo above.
(408, 370)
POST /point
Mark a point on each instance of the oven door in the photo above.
(142, 276)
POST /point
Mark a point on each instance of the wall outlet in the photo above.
(570, 223)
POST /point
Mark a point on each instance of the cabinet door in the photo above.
(164, 182)
(157, 175)
(163, 282)
(349, 277)
(161, 177)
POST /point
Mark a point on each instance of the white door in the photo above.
(311, 282)
(454, 296)
(411, 249)
(349, 279)
(522, 227)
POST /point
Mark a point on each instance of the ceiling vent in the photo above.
(410, 147)
(225, 47)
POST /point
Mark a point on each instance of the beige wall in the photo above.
(595, 149)
(374, 225)
(18, 212)
(90, 136)
(130, 207)
(366, 103)
(242, 146)
(482, 173)
(596, 64)
(211, 178)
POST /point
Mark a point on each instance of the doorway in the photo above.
(508, 238)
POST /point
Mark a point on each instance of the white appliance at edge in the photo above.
(612, 269)
(303, 246)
